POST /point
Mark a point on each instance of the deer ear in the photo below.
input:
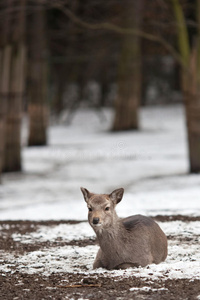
(116, 195)
(86, 194)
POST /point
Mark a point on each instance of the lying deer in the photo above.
(130, 242)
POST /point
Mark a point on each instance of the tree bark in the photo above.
(192, 108)
(2, 109)
(193, 129)
(190, 82)
(37, 80)
(12, 157)
(5, 55)
(12, 83)
(129, 72)
(13, 86)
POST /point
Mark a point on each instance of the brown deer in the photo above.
(130, 242)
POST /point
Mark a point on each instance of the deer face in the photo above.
(101, 208)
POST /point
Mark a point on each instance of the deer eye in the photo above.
(90, 209)
(107, 208)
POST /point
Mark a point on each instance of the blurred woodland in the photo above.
(63, 54)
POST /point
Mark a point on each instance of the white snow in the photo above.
(152, 166)
(81, 231)
(67, 232)
(146, 289)
(183, 259)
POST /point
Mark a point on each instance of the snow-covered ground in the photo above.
(183, 259)
(151, 165)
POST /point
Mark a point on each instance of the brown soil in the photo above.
(17, 285)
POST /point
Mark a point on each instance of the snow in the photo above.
(67, 232)
(183, 259)
(147, 289)
(152, 166)
(81, 231)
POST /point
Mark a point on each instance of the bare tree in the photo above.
(129, 73)
(37, 77)
(12, 82)
(5, 54)
(188, 57)
(190, 79)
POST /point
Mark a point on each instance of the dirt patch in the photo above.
(23, 286)
(162, 218)
(24, 227)
(17, 285)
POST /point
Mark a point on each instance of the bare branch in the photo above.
(61, 5)
(120, 30)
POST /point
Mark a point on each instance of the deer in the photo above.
(134, 241)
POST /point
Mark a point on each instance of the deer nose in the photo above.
(95, 221)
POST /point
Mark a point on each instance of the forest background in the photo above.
(58, 55)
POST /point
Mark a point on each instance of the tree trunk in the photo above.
(192, 107)
(14, 86)
(12, 82)
(12, 156)
(193, 129)
(129, 73)
(190, 82)
(5, 55)
(37, 80)
(1, 121)
(2, 111)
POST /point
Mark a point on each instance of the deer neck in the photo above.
(109, 237)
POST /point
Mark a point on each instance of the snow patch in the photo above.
(151, 164)
(66, 232)
(183, 259)
(147, 289)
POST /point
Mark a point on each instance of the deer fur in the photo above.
(130, 242)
